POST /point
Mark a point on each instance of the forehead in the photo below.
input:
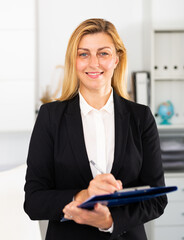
(96, 40)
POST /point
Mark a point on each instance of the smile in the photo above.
(94, 73)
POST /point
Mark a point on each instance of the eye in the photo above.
(103, 54)
(83, 55)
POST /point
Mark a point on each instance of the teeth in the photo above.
(94, 74)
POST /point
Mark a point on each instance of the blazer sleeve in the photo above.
(42, 200)
(132, 215)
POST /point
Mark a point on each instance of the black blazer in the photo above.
(58, 168)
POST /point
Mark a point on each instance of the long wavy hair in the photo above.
(90, 26)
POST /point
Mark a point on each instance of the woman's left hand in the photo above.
(100, 217)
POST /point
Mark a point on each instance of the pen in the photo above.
(96, 166)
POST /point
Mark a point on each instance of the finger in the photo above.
(103, 211)
(120, 184)
(71, 211)
(105, 188)
(68, 216)
(100, 208)
(69, 207)
(109, 178)
(103, 185)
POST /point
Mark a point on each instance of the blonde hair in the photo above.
(91, 26)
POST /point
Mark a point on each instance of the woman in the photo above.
(93, 120)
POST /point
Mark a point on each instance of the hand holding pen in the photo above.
(119, 183)
(103, 183)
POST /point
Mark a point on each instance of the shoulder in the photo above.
(57, 108)
(140, 115)
(50, 113)
(135, 109)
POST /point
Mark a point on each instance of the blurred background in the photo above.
(33, 40)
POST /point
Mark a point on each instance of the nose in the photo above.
(94, 61)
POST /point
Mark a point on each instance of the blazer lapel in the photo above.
(75, 131)
(122, 118)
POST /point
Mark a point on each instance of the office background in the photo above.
(33, 41)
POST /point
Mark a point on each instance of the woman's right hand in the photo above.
(101, 184)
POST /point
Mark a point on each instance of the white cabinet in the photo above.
(167, 84)
(170, 225)
(169, 233)
(17, 61)
(167, 75)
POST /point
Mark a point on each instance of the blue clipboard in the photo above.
(127, 196)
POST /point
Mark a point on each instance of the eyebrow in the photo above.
(99, 49)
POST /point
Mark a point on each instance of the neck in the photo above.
(96, 99)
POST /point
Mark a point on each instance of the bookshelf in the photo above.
(167, 75)
(167, 84)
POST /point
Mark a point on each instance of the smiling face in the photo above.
(96, 61)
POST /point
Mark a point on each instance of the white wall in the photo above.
(17, 79)
(17, 61)
(168, 14)
(13, 149)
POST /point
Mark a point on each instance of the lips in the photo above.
(94, 74)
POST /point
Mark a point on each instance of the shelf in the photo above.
(174, 174)
(171, 126)
(169, 78)
(169, 31)
(169, 90)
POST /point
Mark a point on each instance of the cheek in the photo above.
(109, 64)
(80, 65)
